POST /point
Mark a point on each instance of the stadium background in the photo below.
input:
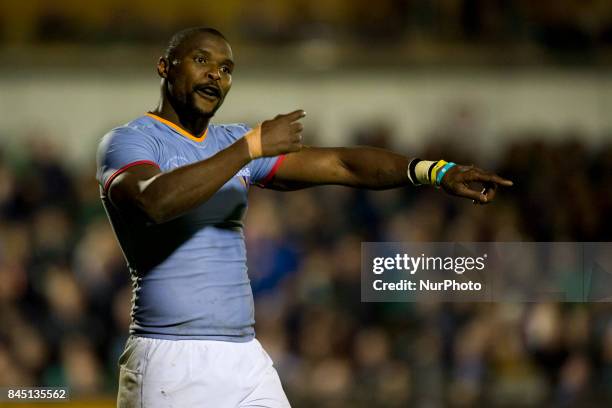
(521, 87)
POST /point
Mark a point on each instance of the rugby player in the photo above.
(175, 188)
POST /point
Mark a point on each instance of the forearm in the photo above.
(168, 195)
(373, 168)
(362, 167)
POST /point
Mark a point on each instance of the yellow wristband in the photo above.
(253, 139)
(434, 171)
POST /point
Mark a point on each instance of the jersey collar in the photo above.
(178, 128)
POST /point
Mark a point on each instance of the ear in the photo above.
(163, 66)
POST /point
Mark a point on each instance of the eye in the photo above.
(225, 69)
(200, 59)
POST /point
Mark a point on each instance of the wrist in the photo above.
(253, 140)
(425, 172)
(242, 149)
(441, 172)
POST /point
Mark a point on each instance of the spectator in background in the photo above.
(565, 352)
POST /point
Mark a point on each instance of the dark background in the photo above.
(64, 287)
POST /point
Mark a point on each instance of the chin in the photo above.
(206, 111)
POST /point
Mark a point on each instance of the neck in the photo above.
(193, 123)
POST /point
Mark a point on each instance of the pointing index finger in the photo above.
(501, 181)
(482, 176)
(295, 115)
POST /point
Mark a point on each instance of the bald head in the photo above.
(183, 37)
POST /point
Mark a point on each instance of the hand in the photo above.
(283, 134)
(459, 179)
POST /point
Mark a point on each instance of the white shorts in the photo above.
(197, 373)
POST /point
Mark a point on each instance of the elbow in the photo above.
(156, 205)
(154, 211)
(141, 202)
(156, 216)
(346, 173)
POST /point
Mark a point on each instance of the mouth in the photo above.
(208, 91)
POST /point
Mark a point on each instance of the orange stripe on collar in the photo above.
(179, 129)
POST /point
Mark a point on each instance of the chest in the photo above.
(229, 203)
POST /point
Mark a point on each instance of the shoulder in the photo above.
(139, 130)
(135, 136)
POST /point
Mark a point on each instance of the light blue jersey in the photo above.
(189, 274)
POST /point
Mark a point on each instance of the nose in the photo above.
(213, 74)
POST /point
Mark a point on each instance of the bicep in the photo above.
(125, 190)
(311, 166)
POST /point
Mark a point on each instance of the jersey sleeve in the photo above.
(121, 149)
(264, 168)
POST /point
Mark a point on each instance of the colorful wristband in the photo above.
(430, 172)
(440, 173)
(412, 173)
(436, 168)
(419, 172)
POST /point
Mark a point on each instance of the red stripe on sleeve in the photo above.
(273, 171)
(124, 168)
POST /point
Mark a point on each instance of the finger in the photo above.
(490, 193)
(477, 174)
(293, 116)
(501, 181)
(296, 138)
(296, 127)
(478, 197)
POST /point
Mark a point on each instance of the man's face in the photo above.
(200, 74)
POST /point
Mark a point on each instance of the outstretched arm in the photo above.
(377, 169)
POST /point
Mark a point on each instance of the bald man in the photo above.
(175, 190)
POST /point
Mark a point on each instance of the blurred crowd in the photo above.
(65, 291)
(563, 25)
